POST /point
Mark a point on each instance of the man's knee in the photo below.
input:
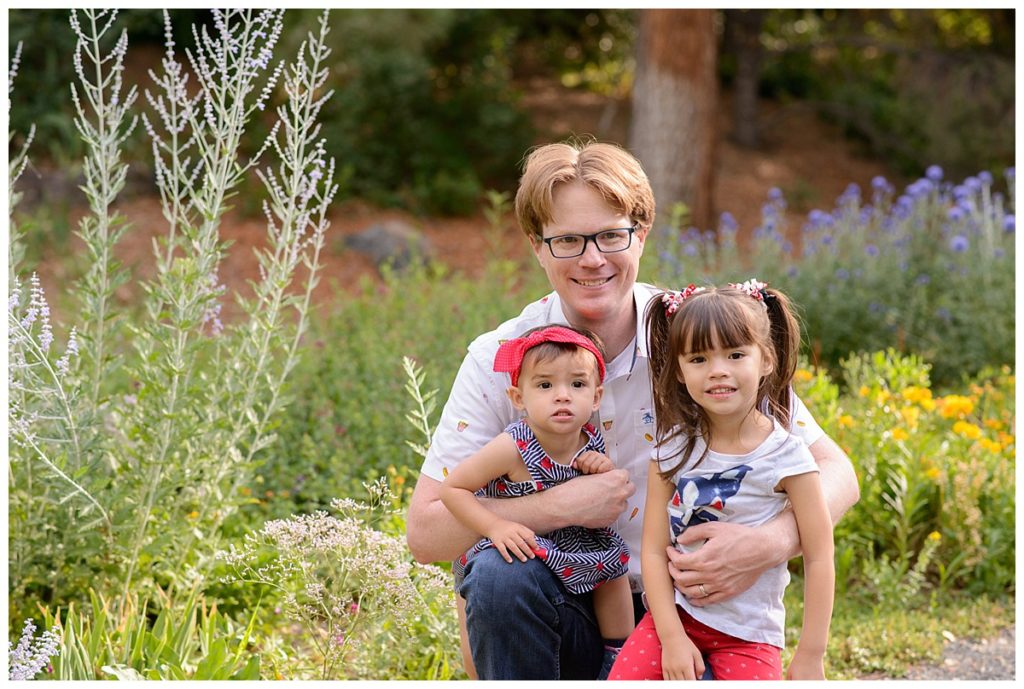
(491, 583)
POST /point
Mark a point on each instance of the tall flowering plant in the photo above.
(924, 271)
(130, 445)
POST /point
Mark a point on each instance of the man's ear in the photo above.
(515, 396)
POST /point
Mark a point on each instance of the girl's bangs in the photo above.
(712, 323)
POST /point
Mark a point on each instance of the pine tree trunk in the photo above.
(745, 28)
(675, 100)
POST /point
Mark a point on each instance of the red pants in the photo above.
(729, 657)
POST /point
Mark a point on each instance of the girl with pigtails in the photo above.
(721, 363)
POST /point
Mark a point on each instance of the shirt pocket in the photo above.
(644, 427)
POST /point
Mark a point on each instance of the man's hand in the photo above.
(595, 500)
(511, 539)
(593, 462)
(728, 563)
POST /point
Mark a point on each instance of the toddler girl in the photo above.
(722, 360)
(556, 374)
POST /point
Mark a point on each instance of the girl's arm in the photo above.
(496, 458)
(680, 659)
(815, 527)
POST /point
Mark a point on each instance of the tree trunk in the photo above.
(675, 99)
(745, 29)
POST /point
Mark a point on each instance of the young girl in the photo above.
(556, 374)
(722, 360)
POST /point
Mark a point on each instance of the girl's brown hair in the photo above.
(725, 317)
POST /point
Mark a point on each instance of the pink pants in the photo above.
(729, 657)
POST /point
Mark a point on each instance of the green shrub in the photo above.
(937, 479)
(923, 273)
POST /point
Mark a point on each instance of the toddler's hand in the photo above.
(511, 538)
(593, 462)
(681, 660)
(806, 666)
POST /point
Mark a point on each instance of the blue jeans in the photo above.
(523, 624)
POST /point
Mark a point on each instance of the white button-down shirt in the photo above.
(478, 409)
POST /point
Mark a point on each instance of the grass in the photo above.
(867, 641)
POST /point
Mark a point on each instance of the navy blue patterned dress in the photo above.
(582, 558)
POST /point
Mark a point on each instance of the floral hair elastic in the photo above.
(754, 288)
(673, 300)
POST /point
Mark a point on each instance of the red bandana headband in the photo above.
(509, 358)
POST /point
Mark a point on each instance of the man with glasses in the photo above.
(587, 210)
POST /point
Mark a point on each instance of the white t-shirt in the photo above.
(478, 409)
(739, 489)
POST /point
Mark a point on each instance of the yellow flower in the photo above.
(991, 445)
(193, 515)
(864, 391)
(882, 397)
(928, 404)
(994, 424)
(910, 415)
(934, 474)
(846, 421)
(917, 394)
(1006, 438)
(967, 430)
(802, 375)
(956, 406)
(899, 434)
(934, 536)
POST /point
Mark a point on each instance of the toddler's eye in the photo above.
(737, 355)
(578, 384)
(544, 386)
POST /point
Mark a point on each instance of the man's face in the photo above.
(594, 286)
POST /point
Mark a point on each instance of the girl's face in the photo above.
(724, 380)
(558, 394)
(594, 286)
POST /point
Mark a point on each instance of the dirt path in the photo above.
(969, 659)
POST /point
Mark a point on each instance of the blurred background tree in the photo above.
(429, 112)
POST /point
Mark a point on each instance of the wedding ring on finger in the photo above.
(703, 591)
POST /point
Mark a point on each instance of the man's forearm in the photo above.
(838, 483)
(434, 534)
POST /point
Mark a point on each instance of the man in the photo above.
(521, 623)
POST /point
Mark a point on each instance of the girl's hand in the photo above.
(593, 462)
(680, 659)
(806, 666)
(512, 538)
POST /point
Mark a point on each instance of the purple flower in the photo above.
(690, 249)
(728, 222)
(775, 194)
(1010, 174)
(817, 217)
(985, 177)
(871, 250)
(920, 188)
(955, 214)
(944, 314)
(973, 183)
(934, 173)
(922, 279)
(959, 244)
(880, 184)
(842, 274)
(1010, 224)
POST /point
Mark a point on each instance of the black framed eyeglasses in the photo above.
(606, 241)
